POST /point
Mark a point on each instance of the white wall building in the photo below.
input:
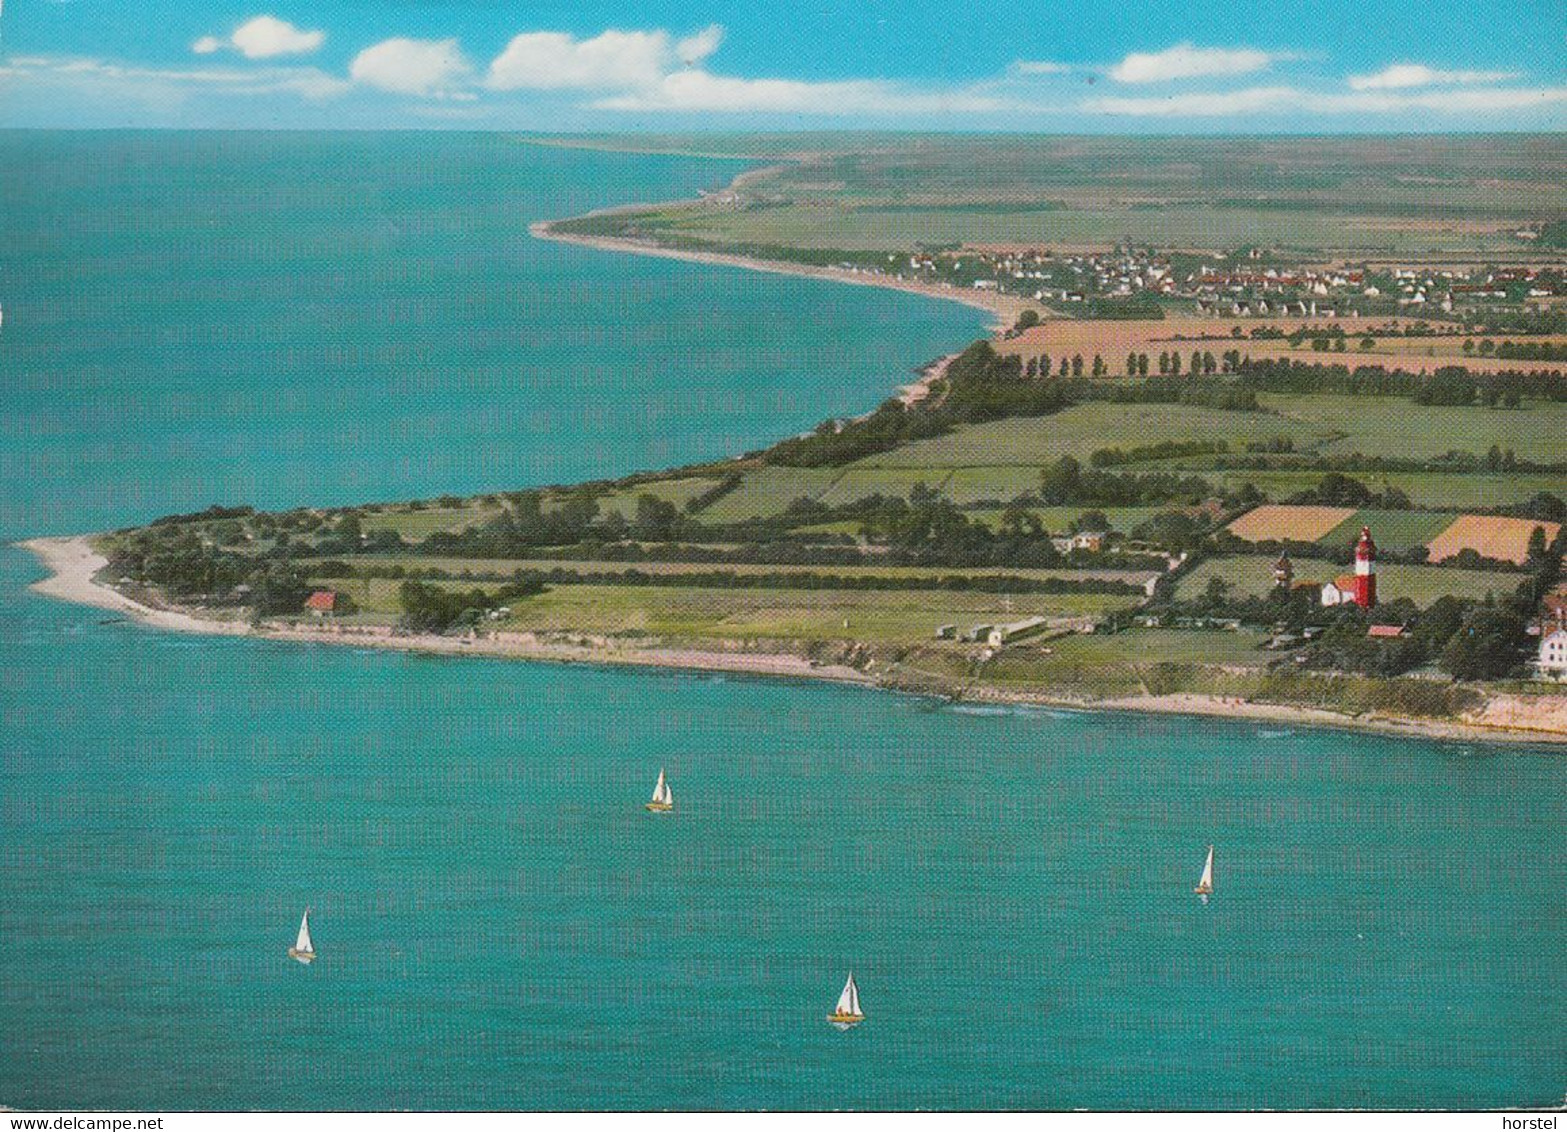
(1552, 661)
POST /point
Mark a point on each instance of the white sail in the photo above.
(303, 944)
(661, 793)
(1206, 883)
(849, 1000)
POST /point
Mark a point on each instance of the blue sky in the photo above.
(1089, 66)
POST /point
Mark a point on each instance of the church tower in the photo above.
(1284, 572)
(1365, 570)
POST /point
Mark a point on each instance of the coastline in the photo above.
(73, 564)
(1003, 308)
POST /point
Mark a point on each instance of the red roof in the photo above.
(324, 600)
(1385, 631)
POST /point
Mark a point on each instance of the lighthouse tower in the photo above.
(1365, 570)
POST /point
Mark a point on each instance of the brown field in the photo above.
(1113, 339)
(1281, 521)
(1506, 540)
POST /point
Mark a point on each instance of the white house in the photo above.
(1552, 661)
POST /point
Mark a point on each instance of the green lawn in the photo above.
(1253, 575)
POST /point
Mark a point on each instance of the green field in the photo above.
(767, 491)
(878, 617)
(1399, 428)
(678, 492)
(1081, 429)
(857, 483)
(1058, 520)
(1396, 195)
(415, 525)
(1000, 484)
(482, 568)
(1122, 664)
(1391, 530)
(1454, 491)
(1252, 575)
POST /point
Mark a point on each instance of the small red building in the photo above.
(321, 603)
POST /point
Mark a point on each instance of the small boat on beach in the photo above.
(1205, 884)
(663, 801)
(847, 1013)
(303, 950)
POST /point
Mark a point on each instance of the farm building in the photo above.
(1340, 591)
(321, 603)
(1005, 634)
(1551, 664)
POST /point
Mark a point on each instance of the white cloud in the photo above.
(697, 90)
(1186, 61)
(611, 60)
(429, 67)
(267, 36)
(654, 71)
(103, 75)
(694, 48)
(1258, 100)
(1040, 67)
(1400, 76)
(206, 45)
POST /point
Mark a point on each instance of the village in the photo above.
(1249, 282)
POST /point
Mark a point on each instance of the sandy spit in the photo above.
(1005, 308)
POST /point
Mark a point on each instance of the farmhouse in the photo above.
(1551, 664)
(321, 603)
(1340, 591)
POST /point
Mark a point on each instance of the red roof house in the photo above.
(321, 602)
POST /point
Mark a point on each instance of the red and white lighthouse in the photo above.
(1365, 570)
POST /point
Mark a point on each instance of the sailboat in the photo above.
(663, 801)
(847, 1013)
(303, 949)
(1205, 885)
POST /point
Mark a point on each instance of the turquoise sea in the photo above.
(286, 319)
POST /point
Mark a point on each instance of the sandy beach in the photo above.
(1005, 308)
(73, 563)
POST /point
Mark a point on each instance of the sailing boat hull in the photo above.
(657, 807)
(845, 1021)
(305, 957)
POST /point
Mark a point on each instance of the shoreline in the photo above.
(1003, 308)
(72, 564)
